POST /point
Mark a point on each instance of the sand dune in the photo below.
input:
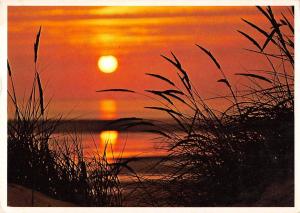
(20, 196)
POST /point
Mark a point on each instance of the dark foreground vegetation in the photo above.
(56, 167)
(230, 157)
(218, 158)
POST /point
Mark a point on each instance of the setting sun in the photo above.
(108, 64)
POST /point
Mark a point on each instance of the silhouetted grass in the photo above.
(58, 168)
(229, 157)
(217, 158)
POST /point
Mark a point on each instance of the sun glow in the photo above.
(108, 109)
(108, 64)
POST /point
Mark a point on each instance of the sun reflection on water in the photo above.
(109, 137)
(108, 140)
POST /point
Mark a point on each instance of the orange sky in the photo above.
(73, 38)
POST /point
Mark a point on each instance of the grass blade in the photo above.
(8, 68)
(290, 43)
(180, 143)
(210, 55)
(36, 44)
(263, 12)
(116, 90)
(185, 79)
(41, 93)
(178, 98)
(193, 122)
(269, 38)
(161, 77)
(178, 121)
(172, 62)
(261, 31)
(160, 94)
(255, 76)
(164, 109)
(288, 23)
(224, 81)
(256, 27)
(177, 61)
(169, 91)
(251, 39)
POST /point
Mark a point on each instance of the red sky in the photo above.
(73, 38)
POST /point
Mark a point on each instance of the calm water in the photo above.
(144, 146)
(119, 144)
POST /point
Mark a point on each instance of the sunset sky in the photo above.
(73, 39)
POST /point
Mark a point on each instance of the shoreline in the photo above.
(95, 126)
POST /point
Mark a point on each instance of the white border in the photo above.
(3, 98)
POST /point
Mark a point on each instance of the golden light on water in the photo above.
(108, 109)
(108, 64)
(109, 137)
